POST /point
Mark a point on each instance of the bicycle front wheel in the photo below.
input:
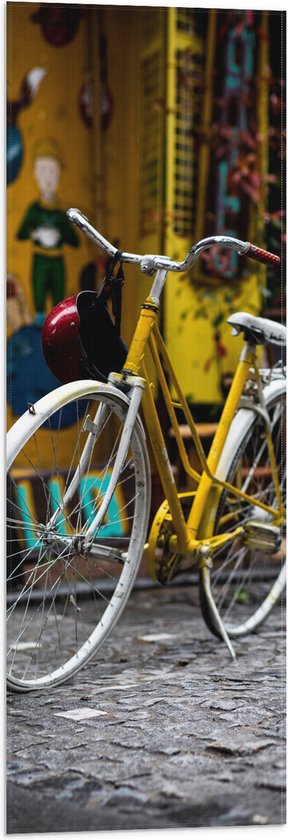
(246, 580)
(62, 602)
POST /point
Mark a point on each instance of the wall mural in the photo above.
(47, 261)
(28, 376)
(226, 170)
(238, 168)
(46, 174)
(46, 225)
(38, 284)
(27, 92)
(235, 116)
(48, 228)
(234, 138)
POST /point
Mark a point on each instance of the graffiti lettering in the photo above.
(92, 487)
(239, 70)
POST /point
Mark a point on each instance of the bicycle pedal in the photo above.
(262, 537)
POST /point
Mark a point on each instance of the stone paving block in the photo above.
(188, 738)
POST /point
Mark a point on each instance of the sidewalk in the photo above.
(187, 737)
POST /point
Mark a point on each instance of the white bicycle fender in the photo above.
(240, 425)
(30, 421)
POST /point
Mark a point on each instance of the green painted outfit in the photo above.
(48, 269)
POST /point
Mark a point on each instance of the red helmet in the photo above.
(79, 339)
(60, 341)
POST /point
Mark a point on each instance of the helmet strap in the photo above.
(112, 288)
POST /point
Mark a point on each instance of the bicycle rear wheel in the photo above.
(62, 602)
(245, 580)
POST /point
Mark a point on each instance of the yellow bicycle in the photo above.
(75, 543)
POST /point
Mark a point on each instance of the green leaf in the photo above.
(218, 320)
(200, 313)
(242, 597)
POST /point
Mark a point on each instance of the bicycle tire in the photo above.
(61, 604)
(245, 583)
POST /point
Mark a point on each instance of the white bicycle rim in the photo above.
(18, 437)
(241, 425)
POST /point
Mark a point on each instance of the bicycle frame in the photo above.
(63, 547)
(133, 378)
(187, 537)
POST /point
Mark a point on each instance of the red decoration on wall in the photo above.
(106, 98)
(59, 23)
(86, 103)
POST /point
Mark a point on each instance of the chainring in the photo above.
(163, 564)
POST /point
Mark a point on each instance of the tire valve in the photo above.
(31, 408)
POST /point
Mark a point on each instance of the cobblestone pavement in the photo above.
(187, 737)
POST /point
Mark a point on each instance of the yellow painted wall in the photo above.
(190, 339)
(102, 172)
(121, 152)
(53, 113)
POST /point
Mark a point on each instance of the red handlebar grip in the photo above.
(263, 256)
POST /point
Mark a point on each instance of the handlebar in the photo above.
(149, 263)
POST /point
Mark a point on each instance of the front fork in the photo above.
(138, 386)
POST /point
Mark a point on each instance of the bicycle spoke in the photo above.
(50, 631)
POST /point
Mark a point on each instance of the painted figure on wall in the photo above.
(48, 228)
(28, 90)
